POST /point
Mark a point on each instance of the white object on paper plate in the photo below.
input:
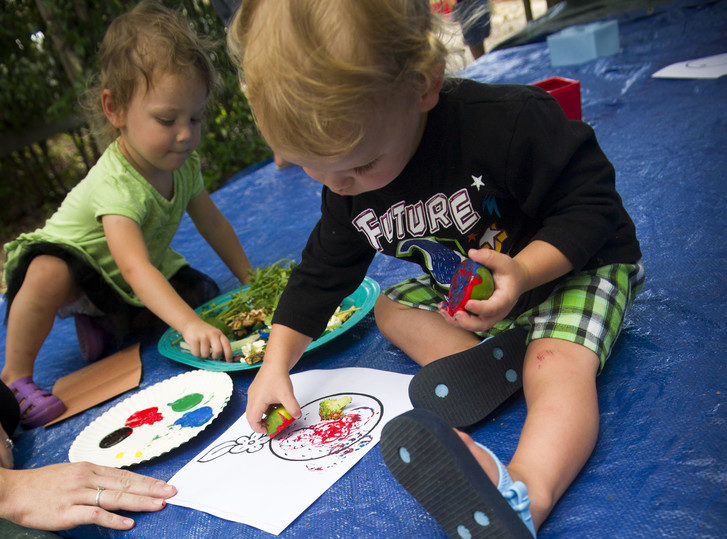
(267, 482)
(154, 420)
(709, 67)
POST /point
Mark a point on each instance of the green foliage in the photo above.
(37, 88)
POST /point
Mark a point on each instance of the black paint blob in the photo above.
(115, 437)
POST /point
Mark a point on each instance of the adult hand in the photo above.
(62, 496)
(271, 386)
(510, 282)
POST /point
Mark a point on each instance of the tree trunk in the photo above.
(71, 63)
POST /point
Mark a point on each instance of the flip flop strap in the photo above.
(515, 492)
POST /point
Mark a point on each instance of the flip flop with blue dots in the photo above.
(465, 388)
(432, 463)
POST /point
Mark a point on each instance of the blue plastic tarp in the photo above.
(659, 467)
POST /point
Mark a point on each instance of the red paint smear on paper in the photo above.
(144, 417)
(334, 430)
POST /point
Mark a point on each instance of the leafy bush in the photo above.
(40, 84)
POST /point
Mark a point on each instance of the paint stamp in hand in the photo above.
(470, 281)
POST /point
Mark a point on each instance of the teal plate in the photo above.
(363, 297)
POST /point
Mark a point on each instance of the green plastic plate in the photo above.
(363, 297)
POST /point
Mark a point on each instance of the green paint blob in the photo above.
(187, 402)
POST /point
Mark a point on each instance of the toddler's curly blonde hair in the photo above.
(147, 40)
(311, 69)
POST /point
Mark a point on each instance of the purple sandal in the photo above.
(92, 339)
(37, 406)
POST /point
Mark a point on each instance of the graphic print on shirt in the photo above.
(418, 220)
(440, 260)
(419, 231)
(493, 238)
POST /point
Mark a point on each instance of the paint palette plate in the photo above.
(363, 297)
(154, 420)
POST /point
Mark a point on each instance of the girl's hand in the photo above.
(510, 282)
(271, 385)
(206, 341)
(63, 496)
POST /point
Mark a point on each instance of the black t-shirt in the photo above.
(498, 166)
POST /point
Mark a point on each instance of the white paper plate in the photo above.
(154, 420)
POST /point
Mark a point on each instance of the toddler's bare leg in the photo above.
(422, 335)
(561, 425)
(48, 284)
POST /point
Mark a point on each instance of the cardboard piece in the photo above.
(99, 382)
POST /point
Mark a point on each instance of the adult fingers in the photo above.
(126, 481)
(115, 500)
(90, 514)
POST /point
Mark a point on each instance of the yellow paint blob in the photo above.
(120, 455)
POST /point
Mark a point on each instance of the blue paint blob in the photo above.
(441, 391)
(497, 353)
(481, 518)
(404, 455)
(463, 532)
(511, 375)
(195, 418)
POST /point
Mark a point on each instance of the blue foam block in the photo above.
(580, 44)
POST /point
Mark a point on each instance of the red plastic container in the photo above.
(567, 92)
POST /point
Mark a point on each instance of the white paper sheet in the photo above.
(709, 67)
(266, 483)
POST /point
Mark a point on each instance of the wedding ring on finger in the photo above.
(99, 490)
(9, 443)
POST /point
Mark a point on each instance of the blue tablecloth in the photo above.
(660, 464)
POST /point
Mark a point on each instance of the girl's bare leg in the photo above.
(422, 335)
(561, 425)
(48, 284)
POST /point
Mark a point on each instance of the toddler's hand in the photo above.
(509, 278)
(206, 341)
(270, 386)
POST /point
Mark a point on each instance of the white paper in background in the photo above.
(709, 67)
(266, 483)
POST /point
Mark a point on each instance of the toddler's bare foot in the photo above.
(481, 456)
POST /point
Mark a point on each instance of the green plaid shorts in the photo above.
(587, 308)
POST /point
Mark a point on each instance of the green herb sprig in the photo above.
(266, 286)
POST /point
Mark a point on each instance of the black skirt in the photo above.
(193, 286)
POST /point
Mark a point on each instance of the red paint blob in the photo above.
(334, 430)
(144, 417)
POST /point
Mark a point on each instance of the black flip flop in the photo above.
(434, 465)
(465, 388)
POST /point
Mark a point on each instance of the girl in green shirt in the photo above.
(104, 256)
